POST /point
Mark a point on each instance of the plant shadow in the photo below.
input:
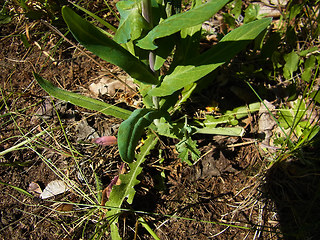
(294, 187)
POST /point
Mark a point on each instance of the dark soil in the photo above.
(229, 194)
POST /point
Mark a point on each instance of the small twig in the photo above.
(241, 144)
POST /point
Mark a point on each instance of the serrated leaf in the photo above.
(180, 21)
(105, 48)
(130, 131)
(168, 129)
(80, 100)
(126, 188)
(187, 147)
(205, 63)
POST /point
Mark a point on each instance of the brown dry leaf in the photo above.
(34, 188)
(64, 207)
(111, 86)
(85, 131)
(268, 10)
(115, 181)
(48, 111)
(266, 123)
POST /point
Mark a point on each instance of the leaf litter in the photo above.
(55, 188)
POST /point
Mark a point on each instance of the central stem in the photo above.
(147, 15)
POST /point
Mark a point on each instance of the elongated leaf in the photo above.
(166, 46)
(126, 188)
(227, 131)
(100, 20)
(148, 228)
(180, 21)
(130, 131)
(241, 112)
(205, 63)
(107, 49)
(80, 100)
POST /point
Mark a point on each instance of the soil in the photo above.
(230, 193)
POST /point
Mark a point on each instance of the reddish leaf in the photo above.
(105, 140)
(115, 181)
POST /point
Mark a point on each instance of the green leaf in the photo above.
(285, 118)
(25, 41)
(292, 61)
(99, 44)
(220, 53)
(188, 46)
(241, 112)
(226, 131)
(80, 100)
(180, 21)
(148, 228)
(4, 19)
(251, 13)
(168, 129)
(310, 133)
(130, 131)
(236, 11)
(315, 95)
(308, 67)
(131, 24)
(308, 51)
(126, 189)
(188, 147)
(166, 46)
(100, 20)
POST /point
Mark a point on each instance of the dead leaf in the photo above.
(105, 140)
(64, 207)
(268, 10)
(266, 122)
(85, 131)
(54, 188)
(47, 110)
(111, 86)
(115, 181)
(34, 188)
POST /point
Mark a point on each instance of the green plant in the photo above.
(299, 122)
(147, 36)
(4, 15)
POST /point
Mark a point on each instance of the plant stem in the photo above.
(147, 15)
